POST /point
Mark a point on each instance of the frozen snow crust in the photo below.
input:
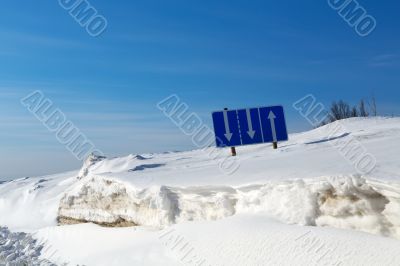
(342, 202)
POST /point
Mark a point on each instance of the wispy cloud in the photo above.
(21, 37)
(16, 121)
(385, 60)
(8, 93)
(161, 37)
(219, 69)
(113, 118)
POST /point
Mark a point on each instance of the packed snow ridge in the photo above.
(341, 202)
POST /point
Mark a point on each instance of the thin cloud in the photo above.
(41, 40)
(385, 60)
(218, 69)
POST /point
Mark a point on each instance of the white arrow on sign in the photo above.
(228, 134)
(271, 118)
(251, 132)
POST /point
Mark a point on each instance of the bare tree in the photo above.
(362, 110)
(335, 112)
(342, 110)
(372, 106)
(354, 112)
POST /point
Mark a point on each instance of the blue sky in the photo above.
(213, 54)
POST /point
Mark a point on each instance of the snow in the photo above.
(303, 204)
(240, 240)
(90, 244)
(305, 155)
(341, 202)
(29, 204)
(20, 249)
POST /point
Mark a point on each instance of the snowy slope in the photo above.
(249, 217)
(239, 240)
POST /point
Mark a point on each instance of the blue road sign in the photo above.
(249, 126)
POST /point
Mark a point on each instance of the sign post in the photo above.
(229, 135)
(249, 126)
(272, 117)
(275, 145)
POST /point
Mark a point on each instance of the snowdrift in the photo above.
(307, 182)
(110, 193)
(340, 202)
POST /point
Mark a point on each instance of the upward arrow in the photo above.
(271, 118)
(228, 134)
(251, 132)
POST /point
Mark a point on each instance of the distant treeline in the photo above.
(341, 110)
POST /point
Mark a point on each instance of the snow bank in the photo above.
(89, 162)
(306, 181)
(28, 204)
(340, 202)
(96, 164)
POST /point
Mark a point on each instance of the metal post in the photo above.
(233, 149)
(275, 145)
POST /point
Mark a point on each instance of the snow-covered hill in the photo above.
(309, 202)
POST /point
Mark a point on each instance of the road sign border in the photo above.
(251, 144)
